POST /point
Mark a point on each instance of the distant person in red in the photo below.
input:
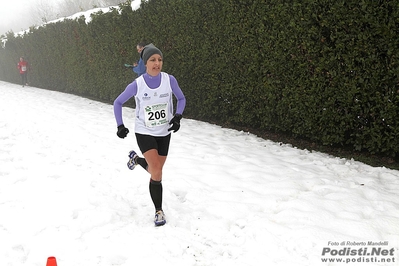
(23, 70)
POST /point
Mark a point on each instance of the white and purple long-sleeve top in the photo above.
(154, 105)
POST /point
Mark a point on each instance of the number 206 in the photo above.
(157, 115)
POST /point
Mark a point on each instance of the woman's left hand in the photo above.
(175, 122)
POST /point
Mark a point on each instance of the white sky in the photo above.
(17, 15)
(10, 11)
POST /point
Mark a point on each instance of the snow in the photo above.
(230, 197)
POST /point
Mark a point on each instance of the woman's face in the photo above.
(154, 65)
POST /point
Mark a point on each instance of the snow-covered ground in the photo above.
(231, 198)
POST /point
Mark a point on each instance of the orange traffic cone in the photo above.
(51, 261)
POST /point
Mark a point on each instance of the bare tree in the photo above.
(43, 12)
(70, 7)
(113, 2)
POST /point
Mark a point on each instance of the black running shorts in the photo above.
(147, 142)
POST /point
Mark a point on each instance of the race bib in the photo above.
(23, 68)
(156, 115)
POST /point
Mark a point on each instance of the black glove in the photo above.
(175, 122)
(122, 131)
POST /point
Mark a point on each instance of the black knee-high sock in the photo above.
(141, 161)
(156, 194)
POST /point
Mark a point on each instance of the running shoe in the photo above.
(131, 164)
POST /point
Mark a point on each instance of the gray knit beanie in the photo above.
(148, 51)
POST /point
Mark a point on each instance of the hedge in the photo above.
(322, 70)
